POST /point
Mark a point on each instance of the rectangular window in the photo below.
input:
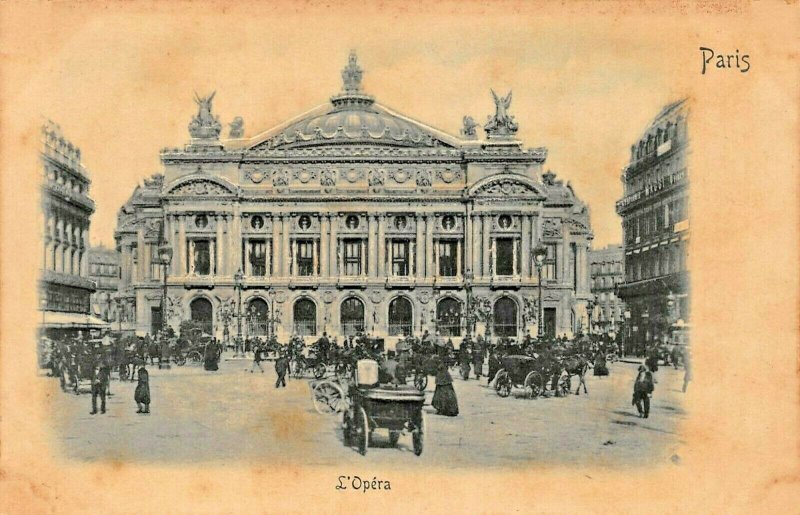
(257, 256)
(574, 261)
(549, 269)
(305, 257)
(352, 257)
(200, 258)
(400, 265)
(504, 256)
(447, 258)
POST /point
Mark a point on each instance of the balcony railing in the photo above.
(352, 327)
(400, 328)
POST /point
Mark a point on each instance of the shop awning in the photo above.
(61, 320)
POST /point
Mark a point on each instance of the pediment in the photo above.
(202, 187)
(506, 186)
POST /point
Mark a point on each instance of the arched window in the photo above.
(257, 316)
(203, 314)
(305, 317)
(352, 316)
(448, 317)
(505, 318)
(401, 319)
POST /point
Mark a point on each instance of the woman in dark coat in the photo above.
(444, 398)
(600, 367)
(142, 393)
(211, 356)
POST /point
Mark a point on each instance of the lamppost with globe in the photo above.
(165, 258)
(238, 279)
(539, 254)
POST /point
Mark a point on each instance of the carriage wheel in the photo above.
(394, 436)
(421, 382)
(503, 384)
(533, 385)
(418, 436)
(363, 428)
(194, 357)
(328, 398)
(319, 370)
(347, 428)
(180, 360)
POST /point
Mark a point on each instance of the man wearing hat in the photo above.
(281, 366)
(642, 390)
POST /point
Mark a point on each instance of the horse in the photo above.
(576, 365)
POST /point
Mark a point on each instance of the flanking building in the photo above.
(64, 284)
(655, 222)
(104, 271)
(354, 217)
(607, 271)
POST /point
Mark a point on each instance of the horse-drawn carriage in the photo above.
(366, 406)
(531, 373)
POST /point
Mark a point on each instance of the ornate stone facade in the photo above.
(356, 217)
(607, 273)
(655, 225)
(65, 286)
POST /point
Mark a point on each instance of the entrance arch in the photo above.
(448, 317)
(203, 314)
(352, 316)
(257, 317)
(305, 317)
(401, 317)
(505, 318)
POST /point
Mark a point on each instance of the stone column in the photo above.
(475, 244)
(220, 247)
(285, 221)
(485, 248)
(182, 244)
(141, 258)
(420, 249)
(468, 241)
(525, 254)
(148, 261)
(292, 261)
(314, 256)
(275, 256)
(429, 266)
(382, 246)
(333, 256)
(324, 245)
(458, 258)
(372, 257)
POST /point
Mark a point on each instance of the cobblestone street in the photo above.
(233, 415)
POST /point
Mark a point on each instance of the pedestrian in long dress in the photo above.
(600, 367)
(258, 357)
(142, 393)
(211, 356)
(444, 397)
(642, 390)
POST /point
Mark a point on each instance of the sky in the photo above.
(121, 83)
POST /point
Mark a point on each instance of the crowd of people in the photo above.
(81, 359)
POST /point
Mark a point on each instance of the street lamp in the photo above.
(468, 286)
(539, 254)
(590, 312)
(238, 279)
(272, 314)
(165, 257)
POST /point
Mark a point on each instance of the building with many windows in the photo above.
(353, 217)
(64, 284)
(104, 271)
(606, 269)
(655, 224)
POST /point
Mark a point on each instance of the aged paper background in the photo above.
(741, 444)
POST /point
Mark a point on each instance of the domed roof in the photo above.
(354, 117)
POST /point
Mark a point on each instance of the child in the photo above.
(142, 393)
